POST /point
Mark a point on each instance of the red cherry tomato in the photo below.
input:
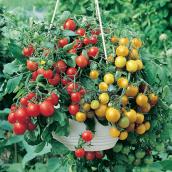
(71, 72)
(93, 52)
(90, 156)
(73, 109)
(72, 51)
(87, 136)
(86, 41)
(81, 61)
(53, 98)
(99, 155)
(82, 91)
(31, 95)
(79, 153)
(64, 81)
(78, 44)
(55, 80)
(32, 66)
(34, 75)
(31, 126)
(11, 117)
(21, 115)
(72, 87)
(28, 51)
(24, 101)
(19, 128)
(76, 97)
(96, 32)
(33, 109)
(46, 108)
(62, 42)
(13, 107)
(48, 74)
(40, 71)
(60, 66)
(93, 40)
(69, 25)
(80, 31)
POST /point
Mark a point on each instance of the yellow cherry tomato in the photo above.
(132, 115)
(147, 125)
(131, 127)
(123, 135)
(112, 114)
(109, 78)
(131, 66)
(124, 100)
(141, 100)
(86, 107)
(131, 91)
(123, 41)
(122, 51)
(94, 104)
(141, 129)
(114, 132)
(134, 54)
(80, 116)
(110, 59)
(146, 108)
(122, 82)
(100, 112)
(94, 74)
(103, 86)
(104, 98)
(139, 118)
(114, 39)
(120, 61)
(136, 43)
(153, 99)
(139, 64)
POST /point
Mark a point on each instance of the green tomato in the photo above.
(126, 150)
(118, 147)
(137, 162)
(160, 147)
(140, 154)
(131, 158)
(148, 160)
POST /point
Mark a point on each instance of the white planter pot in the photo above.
(101, 141)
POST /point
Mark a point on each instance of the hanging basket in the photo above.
(101, 141)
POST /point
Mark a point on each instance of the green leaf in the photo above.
(15, 167)
(71, 61)
(5, 125)
(69, 33)
(58, 148)
(64, 16)
(40, 147)
(69, 46)
(11, 68)
(13, 83)
(5, 111)
(14, 139)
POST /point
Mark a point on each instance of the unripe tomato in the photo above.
(100, 112)
(80, 153)
(93, 52)
(140, 154)
(24, 101)
(148, 160)
(131, 66)
(124, 122)
(46, 109)
(112, 114)
(69, 25)
(114, 39)
(123, 41)
(104, 98)
(86, 41)
(147, 125)
(31, 126)
(109, 78)
(120, 62)
(60, 66)
(132, 115)
(114, 132)
(134, 54)
(103, 86)
(32, 66)
(90, 156)
(11, 117)
(94, 74)
(80, 116)
(80, 31)
(54, 99)
(55, 80)
(99, 154)
(139, 64)
(122, 82)
(139, 118)
(122, 51)
(141, 100)
(87, 136)
(48, 74)
(141, 129)
(81, 61)
(136, 43)
(73, 109)
(33, 109)
(62, 42)
(153, 99)
(72, 87)
(75, 97)
(124, 100)
(71, 72)
(146, 108)
(19, 128)
(118, 147)
(131, 91)
(95, 104)
(93, 40)
(21, 115)
(123, 135)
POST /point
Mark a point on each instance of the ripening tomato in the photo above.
(11, 117)
(31, 126)
(114, 39)
(72, 87)
(62, 42)
(93, 40)
(28, 51)
(24, 101)
(93, 52)
(75, 97)
(55, 80)
(80, 31)
(60, 66)
(69, 25)
(99, 154)
(34, 75)
(21, 115)
(48, 74)
(54, 99)
(73, 109)
(33, 109)
(31, 95)
(86, 41)
(71, 72)
(136, 43)
(81, 61)
(19, 128)
(153, 99)
(32, 66)
(79, 153)
(87, 136)
(46, 109)
(90, 156)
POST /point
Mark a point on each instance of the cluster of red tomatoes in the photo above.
(21, 116)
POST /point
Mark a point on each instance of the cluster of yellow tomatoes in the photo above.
(127, 54)
(123, 119)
